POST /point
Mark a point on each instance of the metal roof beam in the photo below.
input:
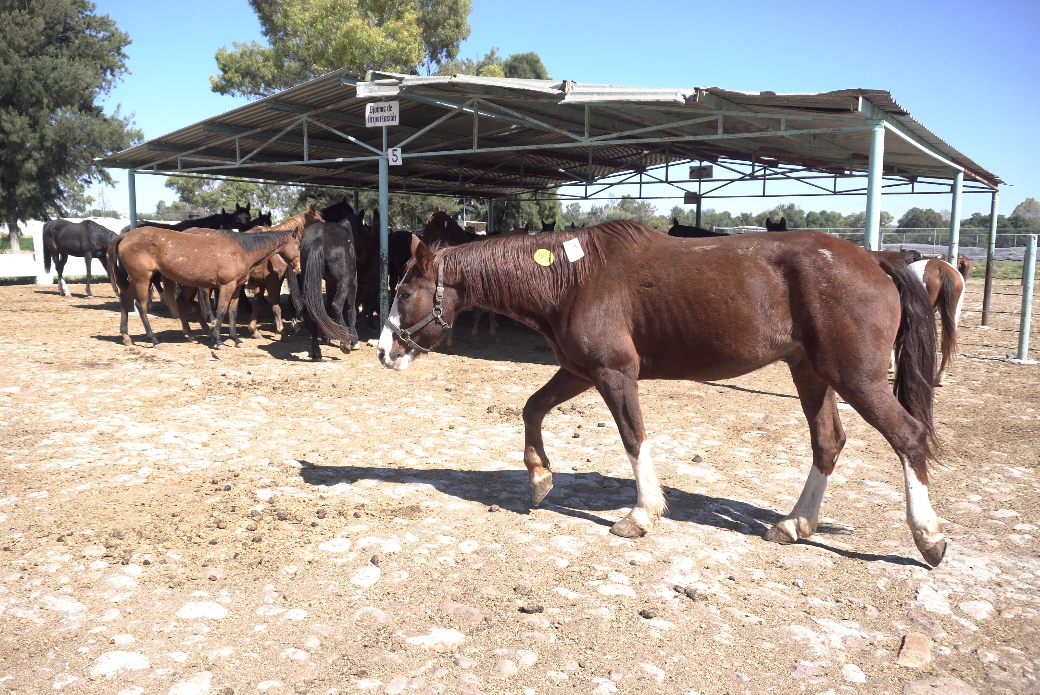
(264, 135)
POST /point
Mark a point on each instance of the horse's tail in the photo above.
(48, 232)
(116, 272)
(205, 308)
(915, 349)
(312, 299)
(947, 301)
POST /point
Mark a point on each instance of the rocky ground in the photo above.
(175, 523)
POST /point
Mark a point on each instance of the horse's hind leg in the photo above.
(274, 296)
(477, 313)
(223, 305)
(254, 331)
(87, 260)
(232, 320)
(620, 390)
(562, 387)
(126, 303)
(820, 405)
(494, 326)
(141, 290)
(337, 302)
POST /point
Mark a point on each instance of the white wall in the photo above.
(31, 264)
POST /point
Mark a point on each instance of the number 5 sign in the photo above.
(394, 155)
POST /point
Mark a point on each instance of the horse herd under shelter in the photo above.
(495, 138)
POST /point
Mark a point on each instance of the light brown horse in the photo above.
(623, 302)
(945, 287)
(267, 275)
(220, 260)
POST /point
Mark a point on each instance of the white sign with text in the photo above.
(382, 113)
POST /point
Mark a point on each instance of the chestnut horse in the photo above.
(945, 288)
(219, 260)
(623, 302)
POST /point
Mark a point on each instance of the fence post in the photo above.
(1027, 298)
(990, 252)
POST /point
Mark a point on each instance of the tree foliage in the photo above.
(918, 218)
(211, 196)
(57, 59)
(1028, 209)
(308, 38)
(526, 66)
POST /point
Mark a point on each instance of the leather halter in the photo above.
(405, 334)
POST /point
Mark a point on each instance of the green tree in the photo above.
(57, 60)
(1028, 209)
(917, 218)
(308, 38)
(824, 219)
(211, 196)
(526, 66)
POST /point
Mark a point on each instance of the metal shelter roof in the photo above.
(496, 137)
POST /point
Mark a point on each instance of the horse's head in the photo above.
(337, 212)
(780, 226)
(549, 226)
(312, 215)
(241, 215)
(290, 253)
(422, 311)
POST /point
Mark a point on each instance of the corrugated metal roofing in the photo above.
(531, 134)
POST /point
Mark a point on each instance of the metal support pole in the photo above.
(384, 234)
(1027, 298)
(306, 142)
(357, 201)
(490, 229)
(131, 185)
(955, 219)
(990, 252)
(874, 174)
(698, 223)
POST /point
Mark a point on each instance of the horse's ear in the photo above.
(527, 226)
(675, 221)
(222, 211)
(421, 253)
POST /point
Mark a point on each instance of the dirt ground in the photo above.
(177, 523)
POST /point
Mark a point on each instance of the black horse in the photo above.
(239, 219)
(780, 226)
(327, 253)
(682, 230)
(62, 238)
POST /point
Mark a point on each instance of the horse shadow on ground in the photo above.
(584, 496)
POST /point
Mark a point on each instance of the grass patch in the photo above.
(1002, 270)
(25, 243)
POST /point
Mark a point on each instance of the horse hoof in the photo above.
(218, 346)
(192, 339)
(473, 339)
(934, 553)
(540, 487)
(256, 335)
(239, 344)
(627, 528)
(777, 535)
(127, 341)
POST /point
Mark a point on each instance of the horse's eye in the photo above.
(404, 296)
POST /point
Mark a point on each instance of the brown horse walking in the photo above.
(621, 302)
(221, 260)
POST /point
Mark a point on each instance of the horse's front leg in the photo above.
(87, 260)
(477, 313)
(562, 387)
(59, 263)
(620, 390)
(494, 326)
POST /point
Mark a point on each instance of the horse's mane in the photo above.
(254, 241)
(296, 223)
(502, 268)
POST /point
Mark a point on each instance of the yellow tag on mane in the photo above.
(544, 257)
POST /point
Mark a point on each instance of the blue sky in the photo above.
(968, 71)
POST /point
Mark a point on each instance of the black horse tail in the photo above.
(205, 307)
(48, 232)
(947, 305)
(312, 276)
(915, 349)
(116, 272)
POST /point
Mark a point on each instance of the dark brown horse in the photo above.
(64, 238)
(621, 302)
(220, 260)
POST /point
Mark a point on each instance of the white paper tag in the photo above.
(573, 250)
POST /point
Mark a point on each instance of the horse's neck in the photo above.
(476, 291)
(260, 254)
